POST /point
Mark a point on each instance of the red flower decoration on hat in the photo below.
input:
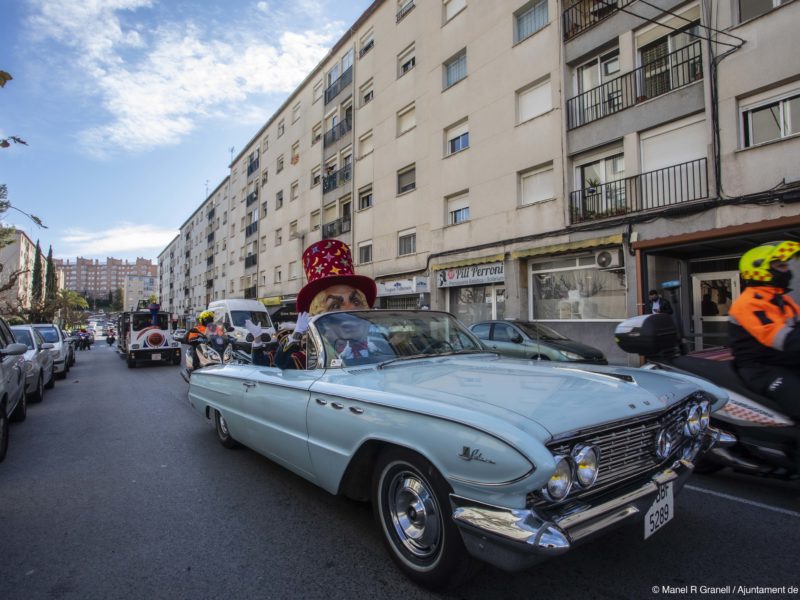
(328, 263)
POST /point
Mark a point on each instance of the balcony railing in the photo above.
(669, 72)
(337, 227)
(210, 237)
(250, 261)
(655, 189)
(210, 214)
(333, 180)
(404, 10)
(210, 261)
(582, 14)
(250, 293)
(252, 167)
(336, 132)
(250, 229)
(251, 197)
(337, 86)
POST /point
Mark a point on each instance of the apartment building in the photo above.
(94, 279)
(19, 257)
(543, 159)
(137, 288)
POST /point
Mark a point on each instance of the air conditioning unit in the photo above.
(609, 259)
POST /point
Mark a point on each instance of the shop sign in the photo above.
(470, 275)
(403, 287)
(271, 301)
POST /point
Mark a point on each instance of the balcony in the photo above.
(209, 283)
(252, 167)
(250, 261)
(188, 253)
(655, 189)
(337, 227)
(337, 132)
(250, 229)
(210, 261)
(337, 86)
(582, 14)
(210, 214)
(404, 10)
(250, 293)
(333, 180)
(210, 238)
(251, 197)
(670, 72)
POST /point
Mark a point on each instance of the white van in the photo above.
(235, 312)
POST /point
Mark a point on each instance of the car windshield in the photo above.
(50, 334)
(376, 336)
(23, 336)
(537, 331)
(257, 317)
(144, 320)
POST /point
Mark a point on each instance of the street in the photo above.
(115, 488)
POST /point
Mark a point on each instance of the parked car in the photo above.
(466, 454)
(70, 339)
(528, 339)
(13, 400)
(52, 334)
(39, 364)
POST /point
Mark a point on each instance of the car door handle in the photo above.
(320, 401)
(356, 410)
(249, 384)
(337, 405)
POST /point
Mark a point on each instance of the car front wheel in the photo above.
(410, 500)
(224, 435)
(21, 410)
(38, 395)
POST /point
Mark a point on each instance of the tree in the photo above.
(36, 278)
(69, 303)
(50, 280)
(116, 302)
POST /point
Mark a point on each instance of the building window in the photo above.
(294, 192)
(406, 242)
(366, 43)
(366, 93)
(316, 176)
(295, 153)
(406, 119)
(529, 19)
(278, 236)
(772, 119)
(264, 177)
(458, 209)
(403, 8)
(575, 289)
(316, 133)
(671, 61)
(407, 179)
(534, 100)
(406, 61)
(606, 170)
(456, 138)
(281, 127)
(365, 144)
(455, 69)
(365, 197)
(279, 164)
(536, 185)
(749, 9)
(317, 93)
(314, 220)
(279, 199)
(452, 8)
(293, 271)
(277, 276)
(365, 252)
(296, 112)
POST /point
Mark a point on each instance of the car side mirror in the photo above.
(47, 346)
(14, 349)
(516, 338)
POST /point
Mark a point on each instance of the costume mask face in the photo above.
(781, 274)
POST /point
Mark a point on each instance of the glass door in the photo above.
(712, 296)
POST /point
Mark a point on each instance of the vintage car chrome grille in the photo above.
(626, 450)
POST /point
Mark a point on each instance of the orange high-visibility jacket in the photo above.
(764, 328)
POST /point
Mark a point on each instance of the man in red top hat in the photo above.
(332, 286)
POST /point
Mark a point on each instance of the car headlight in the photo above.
(228, 355)
(560, 481)
(571, 355)
(705, 414)
(586, 465)
(693, 426)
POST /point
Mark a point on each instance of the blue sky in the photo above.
(130, 107)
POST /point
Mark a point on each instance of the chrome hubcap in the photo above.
(223, 426)
(415, 514)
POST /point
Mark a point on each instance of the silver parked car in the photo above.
(39, 364)
(13, 400)
(52, 334)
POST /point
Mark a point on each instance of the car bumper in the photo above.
(59, 366)
(514, 539)
(163, 354)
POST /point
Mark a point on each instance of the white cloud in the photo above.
(125, 239)
(157, 83)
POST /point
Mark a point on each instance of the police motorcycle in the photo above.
(215, 347)
(766, 439)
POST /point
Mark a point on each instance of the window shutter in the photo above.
(535, 101)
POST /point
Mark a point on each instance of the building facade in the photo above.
(19, 257)
(545, 160)
(137, 288)
(96, 280)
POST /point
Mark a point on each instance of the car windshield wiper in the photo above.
(380, 365)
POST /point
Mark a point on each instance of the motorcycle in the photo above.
(110, 339)
(214, 348)
(766, 438)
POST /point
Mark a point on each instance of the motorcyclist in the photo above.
(204, 319)
(763, 323)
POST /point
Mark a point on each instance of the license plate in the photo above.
(661, 511)
(155, 356)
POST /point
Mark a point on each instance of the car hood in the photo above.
(573, 346)
(559, 397)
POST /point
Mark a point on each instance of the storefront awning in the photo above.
(609, 240)
(469, 261)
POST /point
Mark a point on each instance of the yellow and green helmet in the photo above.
(755, 264)
(205, 317)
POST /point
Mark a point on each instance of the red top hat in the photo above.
(327, 263)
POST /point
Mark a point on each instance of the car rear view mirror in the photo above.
(14, 349)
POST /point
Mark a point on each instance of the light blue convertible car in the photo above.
(464, 454)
